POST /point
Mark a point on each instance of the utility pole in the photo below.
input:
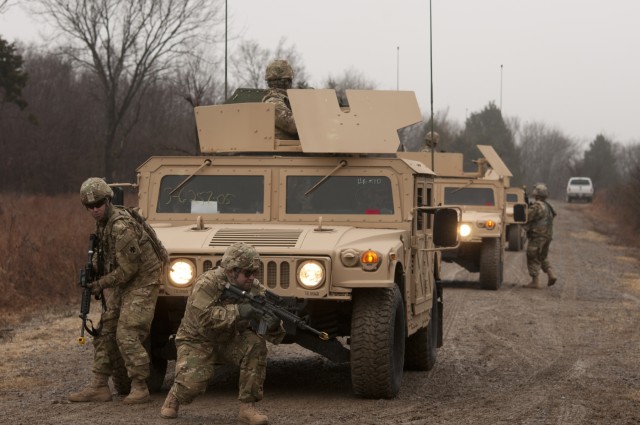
(225, 51)
(398, 69)
(500, 88)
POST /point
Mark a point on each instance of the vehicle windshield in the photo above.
(580, 182)
(339, 195)
(481, 196)
(512, 197)
(232, 194)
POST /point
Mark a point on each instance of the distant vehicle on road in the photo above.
(579, 188)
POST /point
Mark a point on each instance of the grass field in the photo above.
(43, 246)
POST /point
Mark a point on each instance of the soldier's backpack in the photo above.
(158, 247)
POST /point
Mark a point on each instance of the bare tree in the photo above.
(413, 137)
(198, 83)
(128, 45)
(4, 5)
(350, 79)
(249, 63)
(546, 155)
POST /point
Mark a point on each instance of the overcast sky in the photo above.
(571, 64)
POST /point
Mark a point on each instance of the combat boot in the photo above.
(170, 407)
(252, 416)
(552, 277)
(139, 392)
(535, 283)
(98, 390)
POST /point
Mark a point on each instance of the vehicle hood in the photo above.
(276, 239)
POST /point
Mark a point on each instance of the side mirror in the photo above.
(520, 213)
(118, 195)
(445, 228)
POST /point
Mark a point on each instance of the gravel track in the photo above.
(568, 355)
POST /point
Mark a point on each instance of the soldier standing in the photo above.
(132, 262)
(539, 232)
(279, 77)
(217, 328)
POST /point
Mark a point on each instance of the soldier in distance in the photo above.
(540, 232)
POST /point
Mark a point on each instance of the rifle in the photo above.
(87, 275)
(269, 304)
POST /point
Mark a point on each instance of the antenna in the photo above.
(398, 69)
(500, 87)
(433, 146)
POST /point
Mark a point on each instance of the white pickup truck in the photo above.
(579, 188)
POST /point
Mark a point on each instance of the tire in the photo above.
(422, 346)
(491, 264)
(515, 239)
(377, 343)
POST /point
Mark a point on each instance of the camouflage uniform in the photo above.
(540, 233)
(285, 124)
(133, 269)
(131, 261)
(431, 140)
(279, 77)
(212, 332)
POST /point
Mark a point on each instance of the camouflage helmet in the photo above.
(240, 256)
(432, 138)
(93, 190)
(540, 190)
(278, 69)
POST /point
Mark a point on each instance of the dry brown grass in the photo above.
(42, 248)
(612, 215)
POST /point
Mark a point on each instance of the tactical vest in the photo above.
(543, 226)
(149, 259)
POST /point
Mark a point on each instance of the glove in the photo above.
(95, 287)
(272, 322)
(247, 312)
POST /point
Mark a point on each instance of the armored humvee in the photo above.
(481, 195)
(347, 231)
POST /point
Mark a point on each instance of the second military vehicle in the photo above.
(481, 195)
(346, 230)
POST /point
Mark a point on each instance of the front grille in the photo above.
(287, 238)
(277, 273)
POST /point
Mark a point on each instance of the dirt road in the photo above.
(569, 354)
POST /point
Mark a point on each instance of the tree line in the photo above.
(123, 85)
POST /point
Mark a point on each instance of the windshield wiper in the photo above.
(342, 163)
(458, 189)
(206, 163)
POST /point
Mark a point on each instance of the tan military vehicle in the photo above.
(346, 230)
(481, 195)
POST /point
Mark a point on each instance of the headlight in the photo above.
(464, 230)
(311, 274)
(181, 272)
